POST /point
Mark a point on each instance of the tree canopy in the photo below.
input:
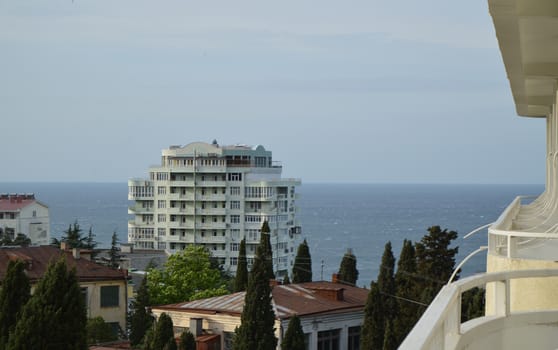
(187, 275)
(294, 336)
(140, 320)
(14, 294)
(302, 268)
(348, 272)
(241, 278)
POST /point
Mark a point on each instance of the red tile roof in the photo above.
(301, 299)
(14, 202)
(38, 258)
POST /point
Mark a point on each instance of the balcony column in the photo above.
(501, 298)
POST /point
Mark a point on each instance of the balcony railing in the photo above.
(440, 326)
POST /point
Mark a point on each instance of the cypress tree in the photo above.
(140, 320)
(435, 261)
(54, 317)
(163, 335)
(389, 337)
(406, 291)
(98, 331)
(241, 279)
(286, 280)
(348, 272)
(386, 283)
(187, 341)
(373, 327)
(302, 268)
(267, 252)
(14, 294)
(294, 337)
(114, 256)
(256, 331)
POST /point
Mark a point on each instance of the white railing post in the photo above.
(512, 246)
(452, 324)
(501, 298)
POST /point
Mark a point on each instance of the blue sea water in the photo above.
(334, 217)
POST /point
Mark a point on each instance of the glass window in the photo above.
(109, 296)
(329, 340)
(354, 338)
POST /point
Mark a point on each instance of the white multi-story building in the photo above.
(214, 196)
(22, 213)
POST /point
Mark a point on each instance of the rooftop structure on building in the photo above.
(213, 195)
(331, 314)
(522, 249)
(24, 214)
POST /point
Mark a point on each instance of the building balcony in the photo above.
(440, 326)
(138, 209)
(211, 211)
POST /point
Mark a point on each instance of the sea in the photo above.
(334, 217)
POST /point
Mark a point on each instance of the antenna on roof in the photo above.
(214, 143)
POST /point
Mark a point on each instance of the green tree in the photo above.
(348, 272)
(435, 261)
(373, 327)
(406, 291)
(14, 294)
(73, 236)
(54, 317)
(140, 320)
(114, 252)
(386, 283)
(256, 331)
(266, 251)
(98, 331)
(302, 268)
(241, 279)
(90, 243)
(187, 341)
(389, 337)
(294, 337)
(472, 304)
(163, 335)
(286, 280)
(186, 275)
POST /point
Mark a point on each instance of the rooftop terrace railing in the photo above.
(440, 327)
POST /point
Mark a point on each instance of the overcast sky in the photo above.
(341, 91)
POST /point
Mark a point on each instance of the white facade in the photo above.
(22, 213)
(215, 196)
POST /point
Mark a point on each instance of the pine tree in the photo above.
(294, 337)
(114, 255)
(54, 317)
(348, 272)
(163, 335)
(241, 279)
(98, 331)
(140, 320)
(187, 341)
(14, 294)
(386, 283)
(73, 237)
(406, 291)
(267, 253)
(389, 337)
(435, 261)
(373, 327)
(90, 243)
(302, 268)
(256, 331)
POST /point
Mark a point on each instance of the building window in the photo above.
(235, 176)
(83, 291)
(235, 247)
(161, 218)
(109, 296)
(161, 231)
(235, 204)
(161, 204)
(228, 340)
(329, 340)
(234, 261)
(354, 338)
(34, 213)
(161, 190)
(235, 191)
(235, 219)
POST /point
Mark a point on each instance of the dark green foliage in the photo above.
(435, 261)
(348, 272)
(389, 337)
(407, 292)
(257, 331)
(294, 337)
(14, 295)
(373, 328)
(286, 280)
(163, 335)
(140, 320)
(472, 304)
(302, 268)
(19, 240)
(98, 331)
(241, 279)
(54, 317)
(386, 283)
(266, 252)
(114, 252)
(187, 341)
(90, 242)
(73, 237)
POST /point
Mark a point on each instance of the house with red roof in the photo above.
(331, 315)
(22, 213)
(104, 289)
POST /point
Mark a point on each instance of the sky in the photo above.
(368, 91)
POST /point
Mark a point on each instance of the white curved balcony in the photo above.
(440, 327)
